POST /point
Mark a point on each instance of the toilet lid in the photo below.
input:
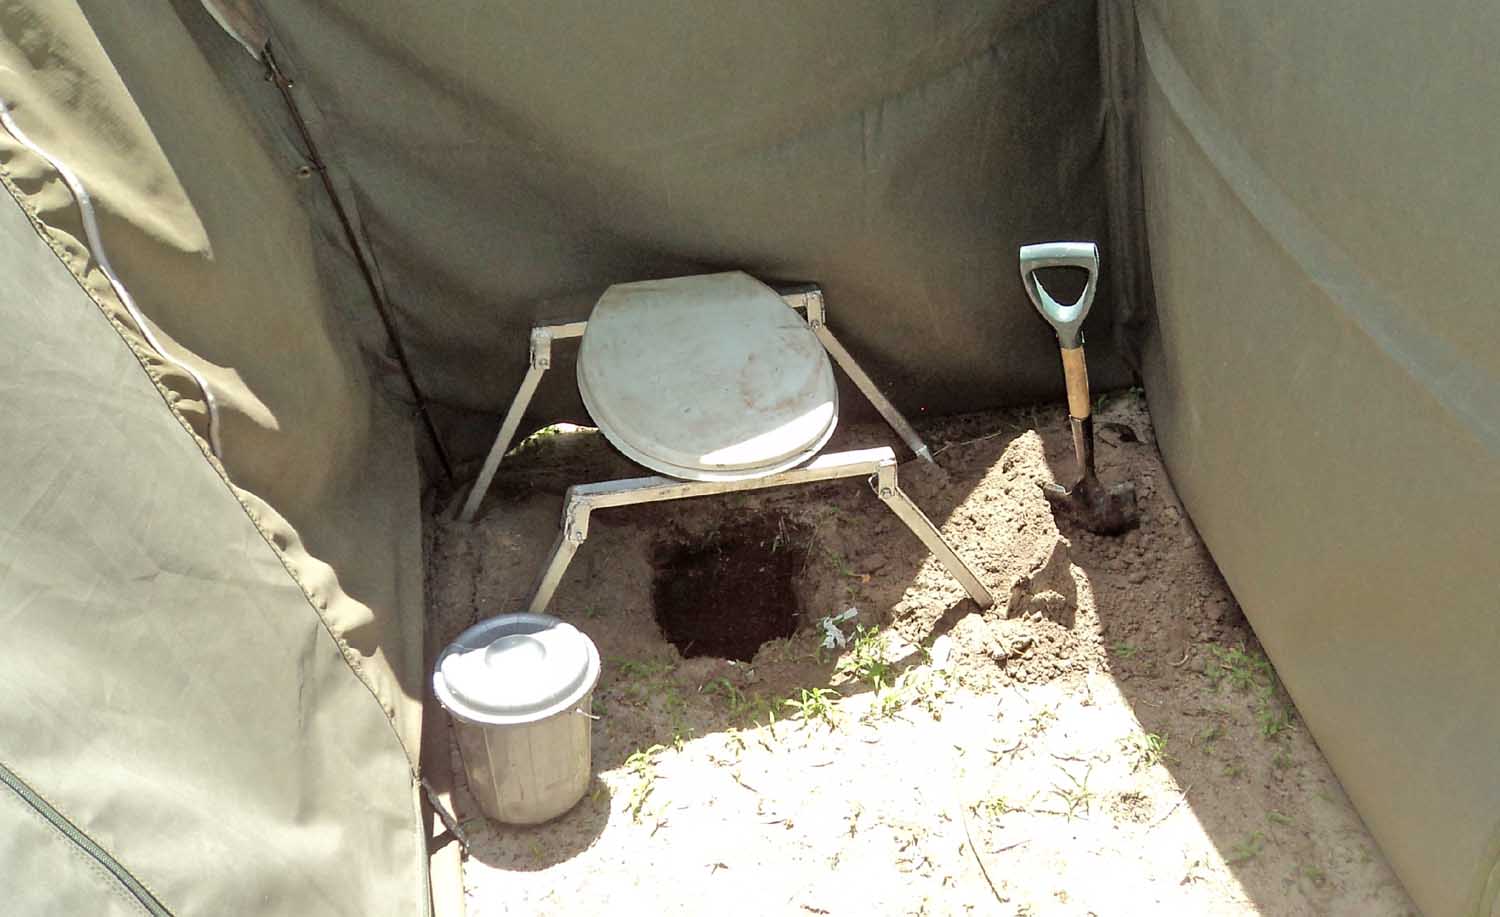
(515, 669)
(710, 378)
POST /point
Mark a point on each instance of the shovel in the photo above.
(1102, 510)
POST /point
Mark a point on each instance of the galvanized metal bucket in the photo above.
(519, 688)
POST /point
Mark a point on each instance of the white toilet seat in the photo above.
(709, 378)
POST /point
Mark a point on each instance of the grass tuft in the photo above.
(814, 704)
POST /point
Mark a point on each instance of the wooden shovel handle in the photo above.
(1076, 374)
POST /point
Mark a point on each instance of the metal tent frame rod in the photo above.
(284, 86)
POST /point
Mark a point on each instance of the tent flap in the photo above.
(198, 672)
(163, 681)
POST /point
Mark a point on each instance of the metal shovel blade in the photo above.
(1102, 510)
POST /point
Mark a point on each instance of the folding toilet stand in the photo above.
(878, 464)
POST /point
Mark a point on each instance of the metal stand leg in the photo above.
(817, 319)
(574, 531)
(879, 463)
(507, 432)
(916, 520)
(541, 360)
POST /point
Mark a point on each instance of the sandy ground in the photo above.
(1108, 740)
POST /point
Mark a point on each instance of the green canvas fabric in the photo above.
(510, 160)
(206, 227)
(30, 846)
(302, 751)
(1325, 385)
(164, 682)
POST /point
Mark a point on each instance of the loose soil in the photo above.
(1109, 739)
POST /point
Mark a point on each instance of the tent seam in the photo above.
(88, 861)
(47, 234)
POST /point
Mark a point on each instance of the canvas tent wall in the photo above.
(1324, 377)
(226, 704)
(514, 159)
(205, 670)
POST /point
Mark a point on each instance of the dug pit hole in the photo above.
(727, 593)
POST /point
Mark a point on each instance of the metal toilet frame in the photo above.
(581, 500)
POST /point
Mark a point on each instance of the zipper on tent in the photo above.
(84, 842)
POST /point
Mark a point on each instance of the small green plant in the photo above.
(994, 807)
(538, 441)
(1247, 672)
(1315, 875)
(1209, 735)
(642, 765)
(1146, 750)
(1273, 717)
(840, 564)
(640, 680)
(672, 701)
(888, 702)
(1125, 650)
(675, 706)
(547, 437)
(1278, 818)
(642, 669)
(724, 688)
(753, 710)
(1242, 670)
(1247, 849)
(814, 704)
(1076, 794)
(643, 760)
(866, 658)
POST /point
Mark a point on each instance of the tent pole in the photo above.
(284, 86)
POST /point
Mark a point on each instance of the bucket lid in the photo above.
(709, 378)
(515, 669)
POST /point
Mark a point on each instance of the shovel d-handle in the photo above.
(1066, 319)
